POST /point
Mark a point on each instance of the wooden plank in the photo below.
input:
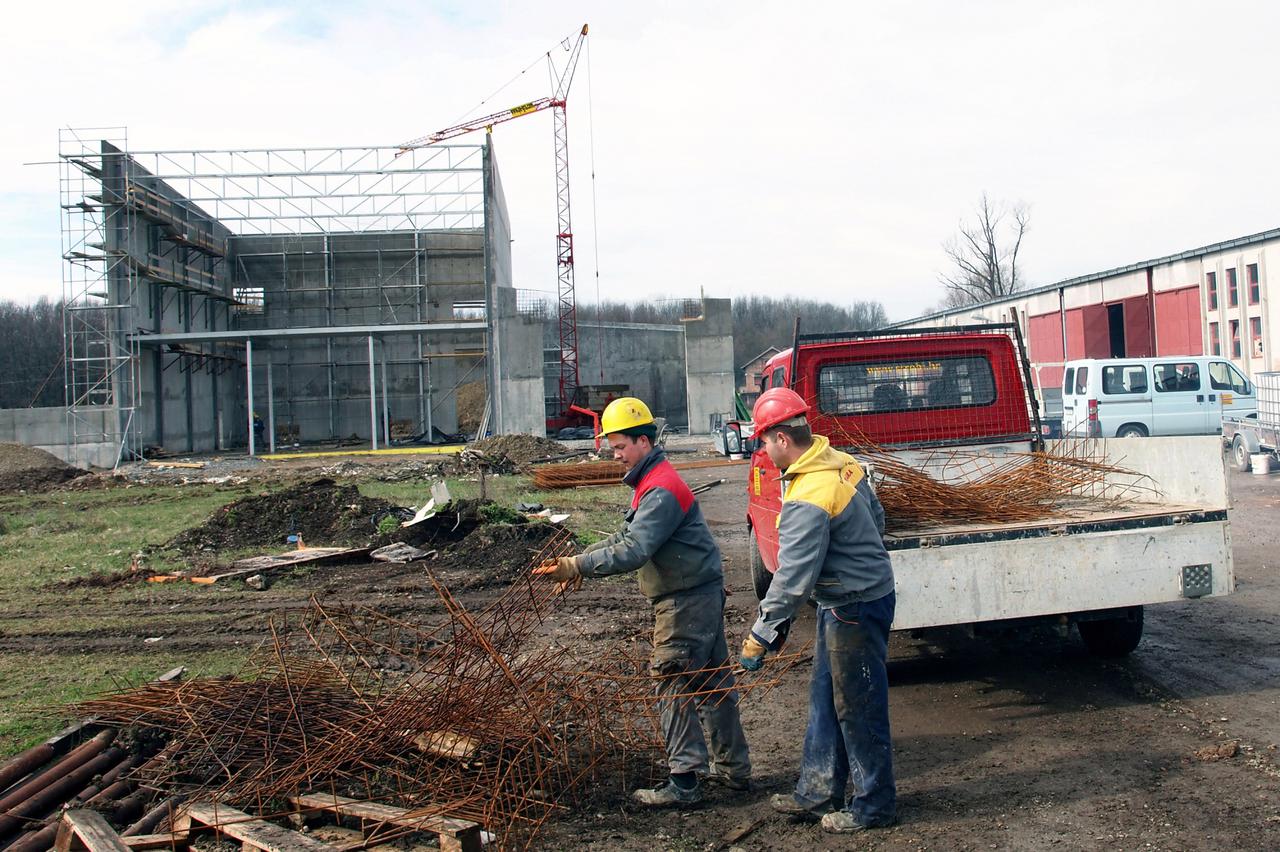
(253, 832)
(456, 835)
(90, 829)
(305, 556)
(156, 841)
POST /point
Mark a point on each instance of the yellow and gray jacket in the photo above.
(830, 536)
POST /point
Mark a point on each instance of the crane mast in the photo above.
(566, 296)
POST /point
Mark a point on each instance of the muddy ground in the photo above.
(1021, 743)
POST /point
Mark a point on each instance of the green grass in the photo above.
(60, 536)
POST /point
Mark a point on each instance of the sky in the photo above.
(824, 150)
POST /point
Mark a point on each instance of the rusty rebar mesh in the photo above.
(930, 488)
(575, 475)
(482, 716)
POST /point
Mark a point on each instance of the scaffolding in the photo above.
(99, 286)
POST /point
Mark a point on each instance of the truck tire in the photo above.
(1112, 637)
(760, 576)
(1239, 454)
(1132, 430)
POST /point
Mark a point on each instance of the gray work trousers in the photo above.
(688, 641)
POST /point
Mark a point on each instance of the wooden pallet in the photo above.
(456, 835)
(253, 833)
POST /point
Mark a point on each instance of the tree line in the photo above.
(31, 355)
(758, 321)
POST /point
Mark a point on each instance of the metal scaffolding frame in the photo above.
(144, 228)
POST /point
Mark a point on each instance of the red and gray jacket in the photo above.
(664, 536)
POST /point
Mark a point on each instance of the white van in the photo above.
(1134, 397)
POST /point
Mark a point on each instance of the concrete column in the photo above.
(373, 400)
(248, 371)
(271, 408)
(708, 360)
(517, 404)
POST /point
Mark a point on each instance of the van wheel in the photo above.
(760, 576)
(1132, 430)
(1112, 637)
(1240, 454)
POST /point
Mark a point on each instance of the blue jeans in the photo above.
(848, 733)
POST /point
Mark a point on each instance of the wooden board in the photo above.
(456, 835)
(253, 833)
(90, 829)
(291, 559)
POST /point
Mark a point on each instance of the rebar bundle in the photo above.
(603, 472)
(929, 488)
(481, 717)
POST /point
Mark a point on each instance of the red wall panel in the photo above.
(1137, 327)
(1075, 333)
(1045, 333)
(1179, 322)
(1097, 332)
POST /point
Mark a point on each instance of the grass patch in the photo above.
(37, 687)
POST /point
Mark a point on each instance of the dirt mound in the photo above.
(470, 404)
(519, 449)
(321, 511)
(28, 469)
(492, 555)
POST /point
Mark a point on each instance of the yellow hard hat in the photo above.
(625, 412)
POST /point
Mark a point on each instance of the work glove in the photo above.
(562, 569)
(753, 651)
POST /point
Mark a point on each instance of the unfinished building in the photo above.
(316, 294)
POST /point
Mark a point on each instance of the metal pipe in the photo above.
(386, 404)
(56, 792)
(248, 371)
(21, 765)
(373, 401)
(77, 757)
(152, 818)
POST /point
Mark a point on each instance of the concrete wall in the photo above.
(649, 359)
(709, 364)
(46, 429)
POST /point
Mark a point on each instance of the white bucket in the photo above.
(1261, 463)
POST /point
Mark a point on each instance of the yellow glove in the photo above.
(753, 651)
(564, 570)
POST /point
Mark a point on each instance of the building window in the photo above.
(1211, 284)
(1233, 289)
(1215, 342)
(1255, 336)
(1235, 338)
(249, 300)
(1251, 278)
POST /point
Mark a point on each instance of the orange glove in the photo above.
(563, 569)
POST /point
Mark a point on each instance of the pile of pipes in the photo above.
(482, 717)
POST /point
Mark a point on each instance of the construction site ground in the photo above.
(1013, 742)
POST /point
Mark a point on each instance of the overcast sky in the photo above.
(826, 150)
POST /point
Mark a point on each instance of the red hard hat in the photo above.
(775, 406)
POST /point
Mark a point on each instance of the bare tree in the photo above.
(984, 255)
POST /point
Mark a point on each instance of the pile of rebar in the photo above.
(603, 472)
(483, 717)
(930, 488)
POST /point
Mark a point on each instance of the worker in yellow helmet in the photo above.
(666, 540)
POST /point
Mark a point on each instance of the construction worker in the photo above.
(666, 539)
(831, 549)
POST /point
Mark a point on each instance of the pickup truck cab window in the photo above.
(869, 387)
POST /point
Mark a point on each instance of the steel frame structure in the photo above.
(108, 191)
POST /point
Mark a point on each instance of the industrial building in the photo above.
(1212, 300)
(245, 298)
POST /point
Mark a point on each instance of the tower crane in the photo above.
(567, 312)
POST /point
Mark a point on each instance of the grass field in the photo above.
(61, 643)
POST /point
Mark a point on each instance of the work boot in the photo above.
(668, 795)
(785, 803)
(724, 779)
(843, 822)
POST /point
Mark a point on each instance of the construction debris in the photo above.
(400, 553)
(475, 718)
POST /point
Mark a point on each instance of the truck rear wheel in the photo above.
(1240, 454)
(1112, 637)
(760, 576)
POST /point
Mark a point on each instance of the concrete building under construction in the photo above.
(240, 298)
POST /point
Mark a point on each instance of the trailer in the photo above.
(1259, 433)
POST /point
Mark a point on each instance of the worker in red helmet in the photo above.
(667, 542)
(831, 550)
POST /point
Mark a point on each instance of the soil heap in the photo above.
(321, 511)
(28, 469)
(519, 450)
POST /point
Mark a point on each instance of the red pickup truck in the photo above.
(922, 393)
